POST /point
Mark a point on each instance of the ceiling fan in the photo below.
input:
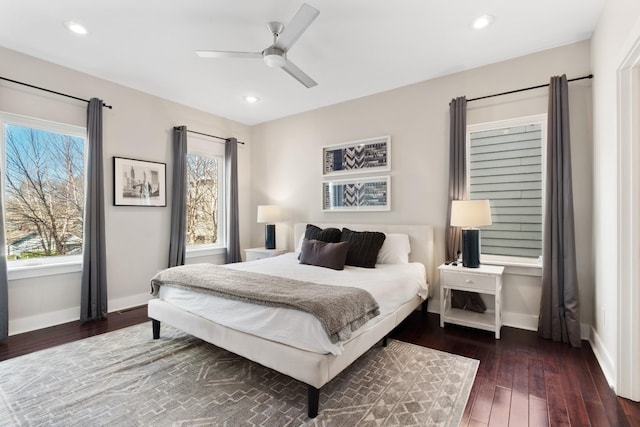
(276, 54)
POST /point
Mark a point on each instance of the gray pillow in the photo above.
(363, 247)
(324, 254)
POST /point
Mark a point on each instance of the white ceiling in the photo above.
(353, 49)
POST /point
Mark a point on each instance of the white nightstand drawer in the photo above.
(477, 282)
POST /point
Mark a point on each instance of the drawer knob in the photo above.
(468, 281)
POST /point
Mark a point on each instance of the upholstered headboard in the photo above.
(420, 238)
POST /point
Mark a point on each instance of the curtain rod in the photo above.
(51, 91)
(590, 76)
(206, 134)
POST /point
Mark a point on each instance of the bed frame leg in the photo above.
(385, 340)
(424, 308)
(313, 399)
(155, 325)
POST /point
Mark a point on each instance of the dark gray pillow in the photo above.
(363, 247)
(324, 254)
(331, 235)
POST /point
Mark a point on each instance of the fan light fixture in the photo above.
(482, 22)
(76, 28)
(274, 57)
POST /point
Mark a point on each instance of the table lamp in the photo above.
(269, 214)
(469, 214)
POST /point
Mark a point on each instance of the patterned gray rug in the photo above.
(124, 378)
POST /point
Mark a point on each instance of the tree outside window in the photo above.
(44, 192)
(203, 179)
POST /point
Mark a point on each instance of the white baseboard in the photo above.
(603, 357)
(129, 302)
(528, 322)
(45, 320)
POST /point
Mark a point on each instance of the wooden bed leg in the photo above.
(313, 399)
(385, 340)
(424, 308)
(155, 325)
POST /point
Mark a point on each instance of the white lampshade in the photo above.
(268, 214)
(470, 213)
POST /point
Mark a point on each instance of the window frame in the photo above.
(510, 261)
(56, 264)
(206, 148)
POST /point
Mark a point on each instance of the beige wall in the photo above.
(617, 32)
(286, 155)
(139, 127)
(281, 164)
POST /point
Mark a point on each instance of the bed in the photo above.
(308, 358)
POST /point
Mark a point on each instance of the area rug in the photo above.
(125, 378)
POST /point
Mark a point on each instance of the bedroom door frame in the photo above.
(628, 351)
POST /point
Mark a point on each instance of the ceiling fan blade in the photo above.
(298, 74)
(223, 54)
(292, 32)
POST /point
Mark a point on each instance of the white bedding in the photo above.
(392, 285)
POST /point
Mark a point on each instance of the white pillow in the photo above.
(395, 249)
(299, 245)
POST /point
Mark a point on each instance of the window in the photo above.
(505, 166)
(43, 186)
(205, 195)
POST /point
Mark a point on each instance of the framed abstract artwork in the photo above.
(139, 183)
(357, 194)
(363, 156)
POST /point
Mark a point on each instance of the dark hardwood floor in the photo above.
(522, 380)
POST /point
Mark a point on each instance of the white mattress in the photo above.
(392, 285)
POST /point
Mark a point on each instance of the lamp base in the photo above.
(270, 236)
(471, 248)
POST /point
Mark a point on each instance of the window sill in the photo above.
(195, 252)
(35, 268)
(521, 268)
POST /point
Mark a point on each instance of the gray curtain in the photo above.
(233, 222)
(177, 235)
(4, 291)
(559, 318)
(93, 302)
(457, 171)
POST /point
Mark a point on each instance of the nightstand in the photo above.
(486, 279)
(259, 253)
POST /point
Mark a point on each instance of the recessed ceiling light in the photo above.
(76, 28)
(482, 22)
(251, 99)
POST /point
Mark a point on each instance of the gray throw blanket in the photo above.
(339, 309)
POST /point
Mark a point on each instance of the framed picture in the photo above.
(139, 183)
(367, 155)
(358, 194)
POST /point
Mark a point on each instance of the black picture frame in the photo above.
(139, 183)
